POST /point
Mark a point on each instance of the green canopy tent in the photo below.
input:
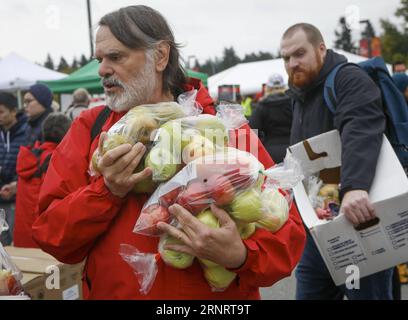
(87, 77)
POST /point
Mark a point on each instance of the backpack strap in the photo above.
(99, 122)
(329, 91)
(44, 166)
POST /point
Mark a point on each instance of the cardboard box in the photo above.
(40, 270)
(374, 246)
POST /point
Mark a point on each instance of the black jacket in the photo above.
(359, 118)
(273, 119)
(34, 131)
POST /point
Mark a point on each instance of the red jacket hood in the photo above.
(30, 158)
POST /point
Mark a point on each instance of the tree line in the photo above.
(394, 37)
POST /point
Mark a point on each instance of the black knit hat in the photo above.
(42, 94)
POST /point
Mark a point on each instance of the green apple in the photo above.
(276, 210)
(173, 258)
(139, 128)
(213, 129)
(246, 229)
(209, 219)
(247, 206)
(198, 147)
(112, 141)
(170, 135)
(162, 163)
(218, 277)
(187, 135)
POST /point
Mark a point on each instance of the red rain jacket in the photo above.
(31, 167)
(80, 218)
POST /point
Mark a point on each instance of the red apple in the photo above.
(170, 197)
(222, 190)
(150, 217)
(195, 198)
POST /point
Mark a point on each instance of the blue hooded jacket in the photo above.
(10, 142)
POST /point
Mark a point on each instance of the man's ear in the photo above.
(162, 54)
(323, 50)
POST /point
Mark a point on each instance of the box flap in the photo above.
(29, 253)
(318, 153)
(390, 180)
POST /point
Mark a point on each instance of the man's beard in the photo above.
(139, 90)
(301, 78)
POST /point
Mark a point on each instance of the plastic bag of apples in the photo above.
(232, 179)
(173, 137)
(10, 275)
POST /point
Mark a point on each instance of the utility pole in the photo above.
(88, 3)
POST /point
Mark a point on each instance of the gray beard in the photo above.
(137, 91)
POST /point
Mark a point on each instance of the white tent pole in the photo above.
(20, 102)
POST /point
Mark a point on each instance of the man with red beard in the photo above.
(91, 217)
(361, 122)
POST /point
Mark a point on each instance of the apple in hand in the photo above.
(247, 206)
(173, 258)
(246, 229)
(162, 163)
(150, 217)
(170, 197)
(195, 198)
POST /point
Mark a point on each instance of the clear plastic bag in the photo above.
(231, 179)
(144, 265)
(10, 275)
(216, 178)
(323, 197)
(232, 115)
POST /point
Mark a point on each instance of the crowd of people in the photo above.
(53, 203)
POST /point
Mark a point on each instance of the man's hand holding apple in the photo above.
(221, 245)
(117, 167)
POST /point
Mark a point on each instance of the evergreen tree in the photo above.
(229, 58)
(49, 63)
(63, 66)
(344, 39)
(394, 40)
(74, 64)
(83, 60)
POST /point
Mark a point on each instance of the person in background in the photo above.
(37, 106)
(272, 118)
(361, 122)
(399, 67)
(80, 102)
(13, 126)
(247, 105)
(32, 164)
(401, 80)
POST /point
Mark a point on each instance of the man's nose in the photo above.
(105, 69)
(293, 63)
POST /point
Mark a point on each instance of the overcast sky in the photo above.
(34, 28)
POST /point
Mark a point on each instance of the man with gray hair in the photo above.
(80, 102)
(84, 216)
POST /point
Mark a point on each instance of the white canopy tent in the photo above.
(250, 76)
(17, 73)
